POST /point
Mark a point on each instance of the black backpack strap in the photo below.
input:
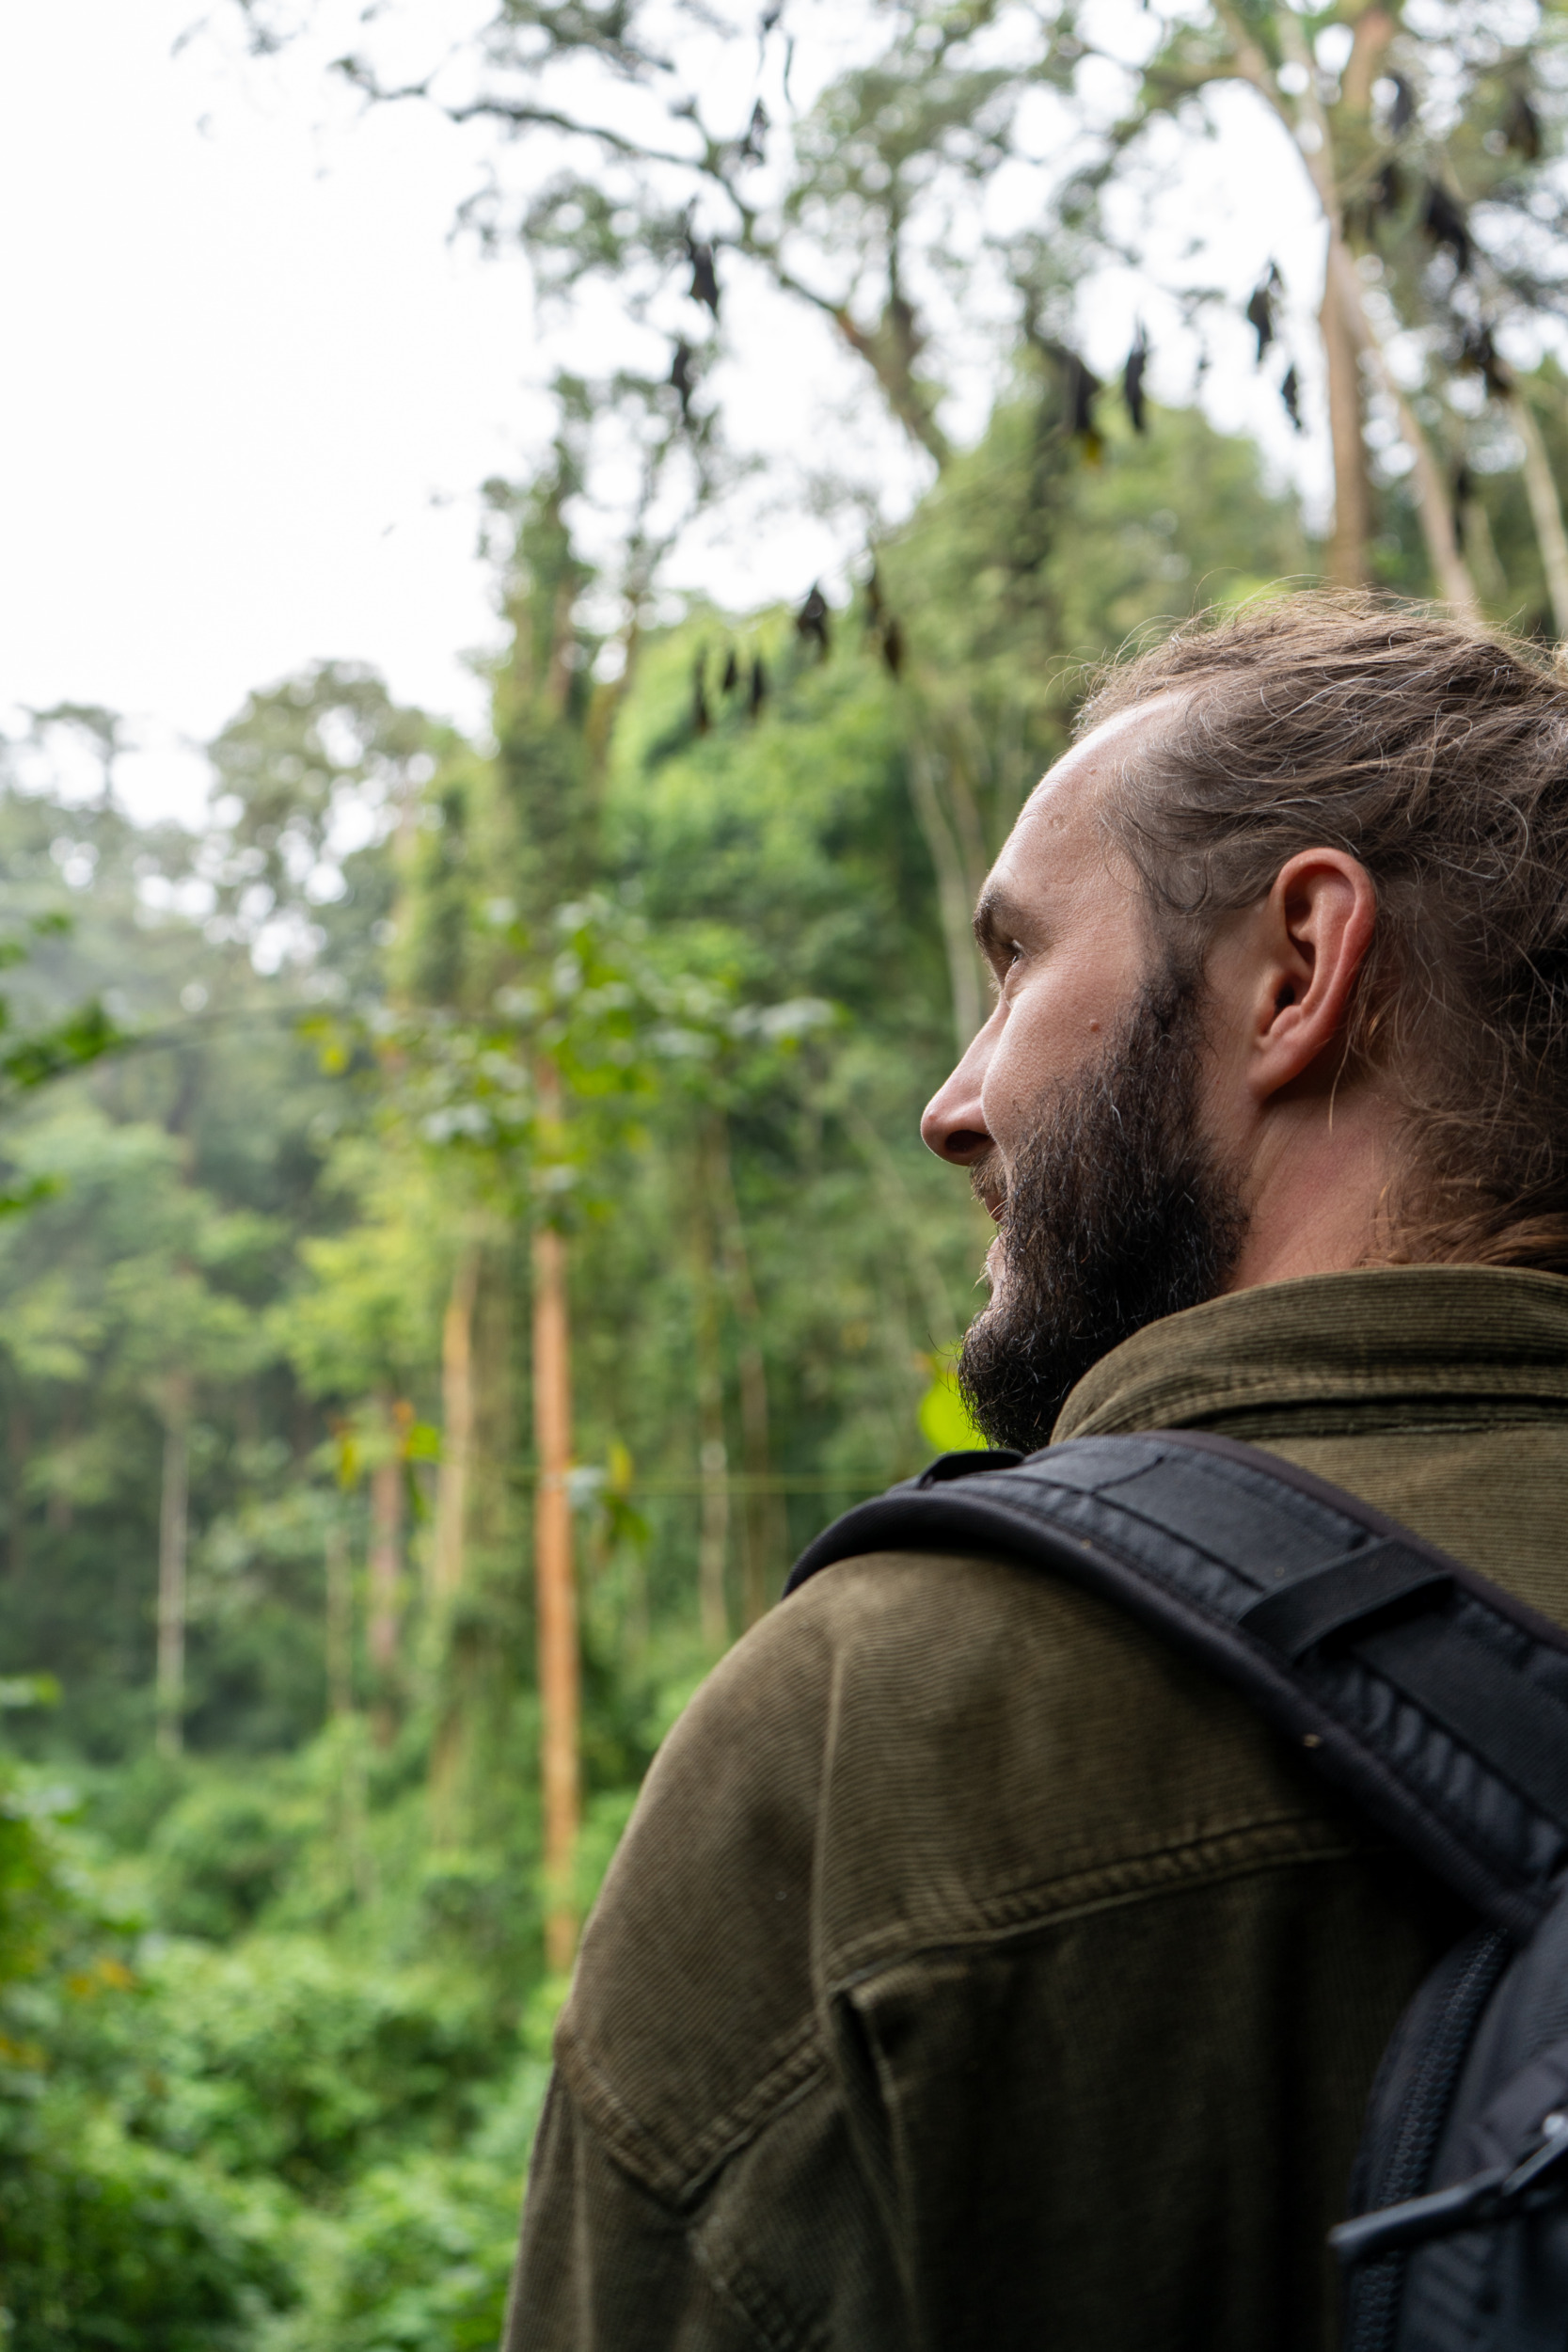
(1436, 1700)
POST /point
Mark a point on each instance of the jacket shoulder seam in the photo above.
(1144, 1878)
(677, 2177)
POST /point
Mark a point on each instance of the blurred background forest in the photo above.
(464, 1226)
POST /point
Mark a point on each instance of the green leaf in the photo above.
(944, 1420)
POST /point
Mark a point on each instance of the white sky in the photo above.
(251, 386)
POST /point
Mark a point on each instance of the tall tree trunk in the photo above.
(762, 1530)
(457, 1438)
(386, 1575)
(340, 1624)
(713, 1540)
(474, 1573)
(173, 1529)
(1349, 547)
(1348, 565)
(559, 1664)
(1434, 504)
(955, 901)
(941, 1317)
(1546, 513)
(19, 1445)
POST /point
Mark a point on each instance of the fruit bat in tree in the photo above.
(1290, 393)
(680, 376)
(704, 277)
(1260, 309)
(1478, 353)
(1082, 389)
(1522, 127)
(1446, 226)
(1133, 382)
(812, 622)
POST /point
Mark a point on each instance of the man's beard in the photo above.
(1118, 1212)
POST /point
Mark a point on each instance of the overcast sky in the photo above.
(250, 388)
(251, 385)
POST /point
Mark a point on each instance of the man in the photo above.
(975, 1972)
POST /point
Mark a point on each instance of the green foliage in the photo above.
(110, 2244)
(275, 2012)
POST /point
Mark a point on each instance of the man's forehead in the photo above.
(1058, 826)
(1070, 791)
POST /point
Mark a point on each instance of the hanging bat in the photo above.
(681, 377)
(704, 277)
(812, 621)
(1290, 393)
(1444, 224)
(1132, 381)
(1260, 309)
(1081, 388)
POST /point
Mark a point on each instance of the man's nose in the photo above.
(954, 1126)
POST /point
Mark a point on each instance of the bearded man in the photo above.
(975, 1971)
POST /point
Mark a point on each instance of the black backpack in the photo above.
(1441, 1705)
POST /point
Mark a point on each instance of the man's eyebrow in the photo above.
(995, 920)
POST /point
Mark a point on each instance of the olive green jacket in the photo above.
(975, 1972)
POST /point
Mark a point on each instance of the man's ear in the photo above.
(1315, 933)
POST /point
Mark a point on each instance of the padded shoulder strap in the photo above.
(1434, 1698)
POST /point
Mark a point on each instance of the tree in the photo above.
(141, 1308)
(359, 1330)
(1426, 145)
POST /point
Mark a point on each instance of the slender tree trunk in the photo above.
(955, 904)
(386, 1578)
(458, 1440)
(1348, 549)
(339, 1625)
(713, 1541)
(1433, 503)
(19, 1445)
(340, 1701)
(61, 1514)
(173, 1528)
(941, 1317)
(762, 1530)
(968, 831)
(559, 1665)
(1348, 566)
(1545, 512)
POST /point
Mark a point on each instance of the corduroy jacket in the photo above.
(975, 1972)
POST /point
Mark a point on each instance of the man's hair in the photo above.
(1437, 755)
